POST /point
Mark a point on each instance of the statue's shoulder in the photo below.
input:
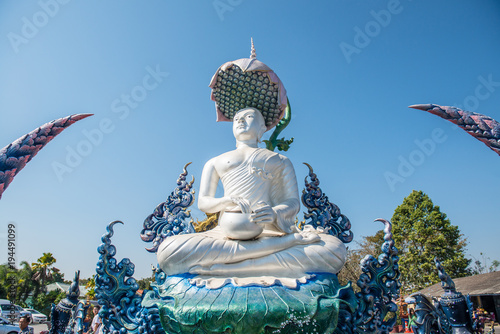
(268, 153)
(275, 154)
(274, 159)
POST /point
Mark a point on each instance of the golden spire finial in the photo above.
(253, 55)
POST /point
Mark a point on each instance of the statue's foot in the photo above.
(306, 237)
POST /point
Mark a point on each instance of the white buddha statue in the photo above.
(264, 246)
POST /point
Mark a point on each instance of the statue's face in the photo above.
(248, 124)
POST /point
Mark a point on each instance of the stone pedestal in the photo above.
(312, 307)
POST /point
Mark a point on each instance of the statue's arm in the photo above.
(207, 202)
(287, 194)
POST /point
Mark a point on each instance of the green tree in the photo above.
(16, 283)
(28, 282)
(422, 232)
(43, 269)
(369, 245)
(4, 270)
(26, 286)
(482, 267)
(90, 285)
(43, 302)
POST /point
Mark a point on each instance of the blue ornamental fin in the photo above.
(169, 217)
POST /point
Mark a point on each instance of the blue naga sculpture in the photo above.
(169, 217)
(323, 213)
(176, 306)
(67, 316)
(16, 155)
(452, 314)
(116, 292)
(379, 288)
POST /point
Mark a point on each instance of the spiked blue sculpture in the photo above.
(68, 315)
(451, 315)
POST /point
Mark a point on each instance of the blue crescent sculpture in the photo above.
(16, 155)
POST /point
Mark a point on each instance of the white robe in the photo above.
(274, 255)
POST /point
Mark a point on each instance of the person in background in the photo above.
(412, 317)
(88, 317)
(24, 321)
(492, 323)
(96, 321)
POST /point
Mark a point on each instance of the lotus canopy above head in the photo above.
(248, 82)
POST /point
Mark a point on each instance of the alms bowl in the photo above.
(237, 225)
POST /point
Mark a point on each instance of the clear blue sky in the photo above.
(351, 69)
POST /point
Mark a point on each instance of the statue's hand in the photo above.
(307, 236)
(243, 204)
(263, 214)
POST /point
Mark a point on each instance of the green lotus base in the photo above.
(312, 307)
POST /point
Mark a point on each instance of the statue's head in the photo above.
(74, 290)
(248, 124)
(248, 82)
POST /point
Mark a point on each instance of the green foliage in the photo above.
(145, 283)
(43, 268)
(482, 267)
(29, 282)
(90, 285)
(16, 284)
(494, 265)
(370, 245)
(43, 302)
(4, 269)
(25, 284)
(422, 232)
(60, 296)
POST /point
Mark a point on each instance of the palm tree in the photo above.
(26, 284)
(43, 269)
